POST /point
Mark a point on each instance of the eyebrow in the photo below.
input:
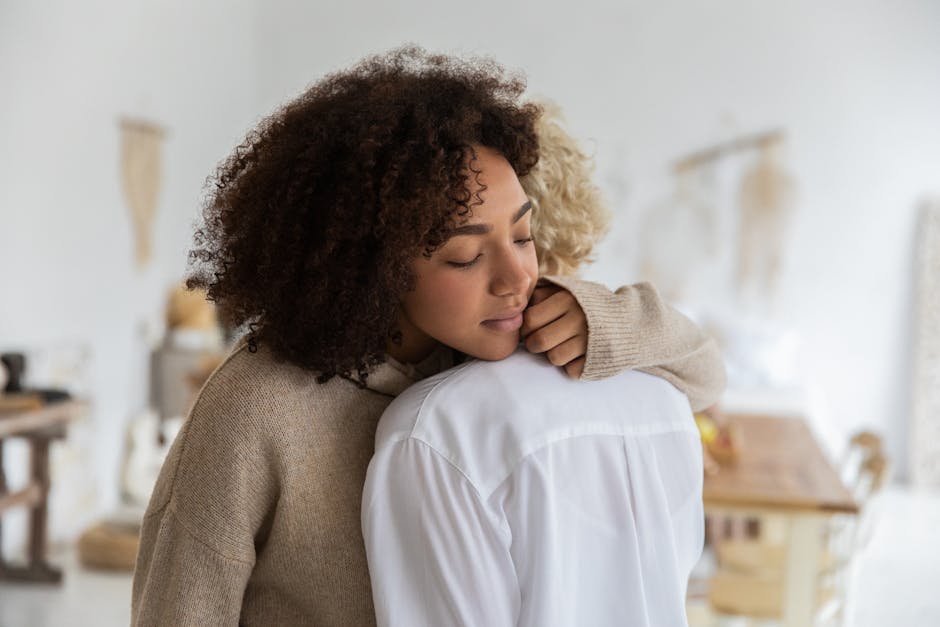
(483, 229)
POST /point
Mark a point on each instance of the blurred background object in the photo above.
(925, 403)
(783, 523)
(141, 169)
(191, 348)
(766, 165)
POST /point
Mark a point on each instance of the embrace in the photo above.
(398, 244)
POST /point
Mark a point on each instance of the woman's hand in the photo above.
(555, 324)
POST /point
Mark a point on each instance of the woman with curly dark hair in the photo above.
(334, 236)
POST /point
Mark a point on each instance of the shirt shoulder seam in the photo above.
(437, 453)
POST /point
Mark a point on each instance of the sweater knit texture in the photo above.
(255, 518)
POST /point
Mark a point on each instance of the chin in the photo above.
(492, 350)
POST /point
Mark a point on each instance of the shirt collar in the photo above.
(392, 377)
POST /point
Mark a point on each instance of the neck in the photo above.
(415, 346)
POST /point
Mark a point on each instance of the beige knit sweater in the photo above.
(255, 518)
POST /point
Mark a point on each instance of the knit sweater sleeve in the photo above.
(181, 580)
(197, 546)
(633, 328)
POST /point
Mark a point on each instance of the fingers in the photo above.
(555, 324)
(574, 368)
(547, 309)
(568, 351)
(554, 333)
(542, 292)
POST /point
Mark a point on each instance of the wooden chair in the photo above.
(748, 581)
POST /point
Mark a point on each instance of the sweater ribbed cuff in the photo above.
(612, 343)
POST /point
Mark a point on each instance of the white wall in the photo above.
(856, 85)
(68, 71)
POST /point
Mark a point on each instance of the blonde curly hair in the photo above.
(569, 215)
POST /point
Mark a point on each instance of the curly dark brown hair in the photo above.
(310, 224)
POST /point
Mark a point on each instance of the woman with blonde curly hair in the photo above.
(502, 493)
(568, 209)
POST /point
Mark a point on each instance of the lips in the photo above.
(510, 321)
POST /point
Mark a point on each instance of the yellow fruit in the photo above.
(706, 428)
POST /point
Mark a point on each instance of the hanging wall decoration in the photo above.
(141, 174)
(717, 246)
(765, 203)
(726, 223)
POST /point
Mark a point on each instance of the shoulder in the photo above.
(228, 461)
(246, 383)
(249, 414)
(254, 393)
(485, 417)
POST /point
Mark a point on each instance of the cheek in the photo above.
(458, 293)
(442, 297)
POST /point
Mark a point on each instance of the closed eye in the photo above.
(464, 264)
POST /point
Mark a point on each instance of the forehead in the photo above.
(496, 198)
(489, 167)
(494, 183)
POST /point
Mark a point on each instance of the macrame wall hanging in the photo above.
(731, 210)
(765, 203)
(141, 175)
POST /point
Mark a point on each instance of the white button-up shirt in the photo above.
(504, 493)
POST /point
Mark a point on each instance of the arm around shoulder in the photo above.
(634, 329)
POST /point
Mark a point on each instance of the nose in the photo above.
(509, 275)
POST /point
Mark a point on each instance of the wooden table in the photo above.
(781, 471)
(39, 427)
